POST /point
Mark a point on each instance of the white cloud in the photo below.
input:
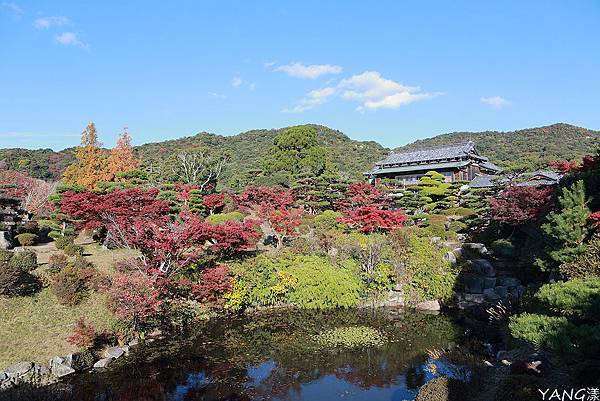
(70, 39)
(376, 92)
(496, 102)
(299, 70)
(217, 95)
(12, 7)
(370, 89)
(313, 99)
(236, 81)
(268, 64)
(48, 22)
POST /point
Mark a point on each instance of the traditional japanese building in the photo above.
(457, 162)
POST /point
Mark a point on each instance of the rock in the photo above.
(3, 376)
(102, 363)
(428, 306)
(133, 342)
(502, 291)
(505, 362)
(477, 298)
(473, 284)
(57, 360)
(18, 370)
(41, 370)
(510, 281)
(6, 241)
(489, 282)
(461, 237)
(475, 247)
(61, 370)
(125, 349)
(488, 364)
(113, 352)
(450, 257)
(483, 267)
(517, 292)
(490, 295)
(527, 368)
(434, 240)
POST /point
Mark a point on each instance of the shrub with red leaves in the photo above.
(369, 219)
(134, 298)
(517, 205)
(214, 203)
(361, 194)
(215, 282)
(84, 334)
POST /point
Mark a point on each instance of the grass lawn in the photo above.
(35, 328)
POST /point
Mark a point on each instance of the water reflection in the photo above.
(273, 356)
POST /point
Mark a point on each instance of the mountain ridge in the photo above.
(529, 147)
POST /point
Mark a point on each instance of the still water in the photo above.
(284, 355)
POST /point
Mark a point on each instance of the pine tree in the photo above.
(91, 164)
(567, 227)
(121, 158)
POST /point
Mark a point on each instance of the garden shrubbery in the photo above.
(24, 260)
(16, 281)
(73, 283)
(26, 239)
(311, 282)
(63, 241)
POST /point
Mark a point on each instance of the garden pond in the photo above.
(283, 354)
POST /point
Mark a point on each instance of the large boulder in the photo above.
(483, 267)
(18, 370)
(102, 363)
(6, 240)
(113, 352)
(473, 284)
(428, 306)
(491, 295)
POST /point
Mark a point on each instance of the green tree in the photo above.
(567, 227)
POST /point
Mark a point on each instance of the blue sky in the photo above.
(390, 71)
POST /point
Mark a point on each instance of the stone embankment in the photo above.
(59, 366)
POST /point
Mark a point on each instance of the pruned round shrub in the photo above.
(15, 281)
(5, 255)
(63, 241)
(57, 262)
(505, 248)
(30, 227)
(55, 235)
(24, 260)
(73, 250)
(26, 239)
(72, 284)
(328, 220)
(223, 217)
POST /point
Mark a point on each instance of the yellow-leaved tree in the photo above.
(91, 164)
(121, 157)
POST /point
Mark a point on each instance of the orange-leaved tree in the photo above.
(121, 157)
(91, 164)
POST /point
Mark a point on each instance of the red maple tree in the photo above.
(517, 205)
(361, 194)
(134, 297)
(214, 283)
(368, 219)
(214, 203)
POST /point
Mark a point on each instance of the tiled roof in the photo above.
(418, 167)
(459, 150)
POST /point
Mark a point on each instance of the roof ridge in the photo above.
(451, 145)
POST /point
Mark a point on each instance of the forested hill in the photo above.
(531, 148)
(245, 149)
